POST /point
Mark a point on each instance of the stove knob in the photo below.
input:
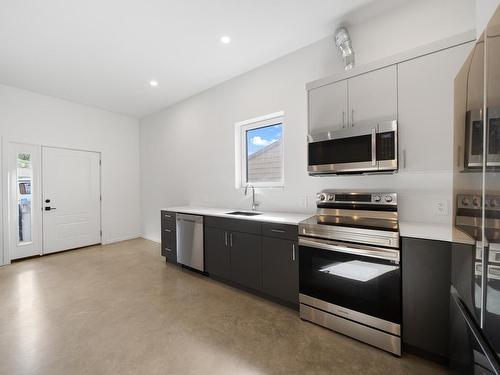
(322, 197)
(465, 201)
(476, 201)
(331, 197)
(377, 198)
(388, 198)
(493, 203)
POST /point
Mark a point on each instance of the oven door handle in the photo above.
(372, 253)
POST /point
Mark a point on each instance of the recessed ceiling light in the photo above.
(225, 39)
(153, 83)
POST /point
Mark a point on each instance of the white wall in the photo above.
(484, 11)
(32, 118)
(187, 150)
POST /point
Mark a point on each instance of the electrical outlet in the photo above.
(303, 201)
(441, 207)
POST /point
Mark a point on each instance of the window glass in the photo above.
(24, 197)
(264, 154)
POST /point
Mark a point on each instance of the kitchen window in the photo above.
(259, 151)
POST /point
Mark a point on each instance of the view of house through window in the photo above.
(24, 181)
(264, 154)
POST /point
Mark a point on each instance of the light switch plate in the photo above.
(441, 207)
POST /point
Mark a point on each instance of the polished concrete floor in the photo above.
(120, 309)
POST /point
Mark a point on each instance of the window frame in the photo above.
(241, 161)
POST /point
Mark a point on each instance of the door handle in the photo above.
(278, 230)
(352, 117)
(225, 238)
(343, 119)
(231, 239)
(49, 208)
(293, 252)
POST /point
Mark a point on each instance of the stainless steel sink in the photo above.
(244, 213)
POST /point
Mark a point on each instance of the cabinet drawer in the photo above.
(233, 225)
(169, 246)
(168, 218)
(285, 231)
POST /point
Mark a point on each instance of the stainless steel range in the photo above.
(349, 261)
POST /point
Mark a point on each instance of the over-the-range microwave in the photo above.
(368, 148)
(474, 139)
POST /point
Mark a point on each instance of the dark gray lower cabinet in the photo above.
(280, 269)
(426, 270)
(168, 236)
(246, 259)
(217, 256)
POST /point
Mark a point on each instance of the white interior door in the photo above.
(24, 191)
(71, 199)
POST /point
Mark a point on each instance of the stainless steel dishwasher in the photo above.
(190, 241)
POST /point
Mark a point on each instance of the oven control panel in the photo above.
(330, 197)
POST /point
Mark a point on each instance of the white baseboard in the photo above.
(154, 239)
(120, 239)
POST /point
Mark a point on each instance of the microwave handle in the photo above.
(374, 147)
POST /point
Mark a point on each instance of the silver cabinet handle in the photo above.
(168, 216)
(225, 238)
(231, 239)
(169, 250)
(168, 230)
(293, 252)
(352, 117)
(278, 230)
(343, 119)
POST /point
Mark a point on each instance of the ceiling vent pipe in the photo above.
(343, 42)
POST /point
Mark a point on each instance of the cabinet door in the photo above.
(217, 253)
(328, 107)
(169, 244)
(425, 90)
(280, 269)
(426, 271)
(246, 259)
(373, 96)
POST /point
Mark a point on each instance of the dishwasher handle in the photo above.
(190, 218)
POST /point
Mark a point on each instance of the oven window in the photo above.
(386, 147)
(368, 285)
(476, 147)
(343, 150)
(494, 137)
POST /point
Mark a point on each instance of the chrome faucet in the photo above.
(254, 204)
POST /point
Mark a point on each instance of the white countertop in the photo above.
(430, 231)
(433, 231)
(273, 217)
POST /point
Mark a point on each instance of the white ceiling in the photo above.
(104, 52)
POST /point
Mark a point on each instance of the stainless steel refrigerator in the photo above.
(475, 290)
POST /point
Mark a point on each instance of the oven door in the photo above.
(363, 281)
(343, 151)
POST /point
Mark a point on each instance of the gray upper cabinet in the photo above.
(345, 103)
(425, 91)
(373, 96)
(328, 107)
